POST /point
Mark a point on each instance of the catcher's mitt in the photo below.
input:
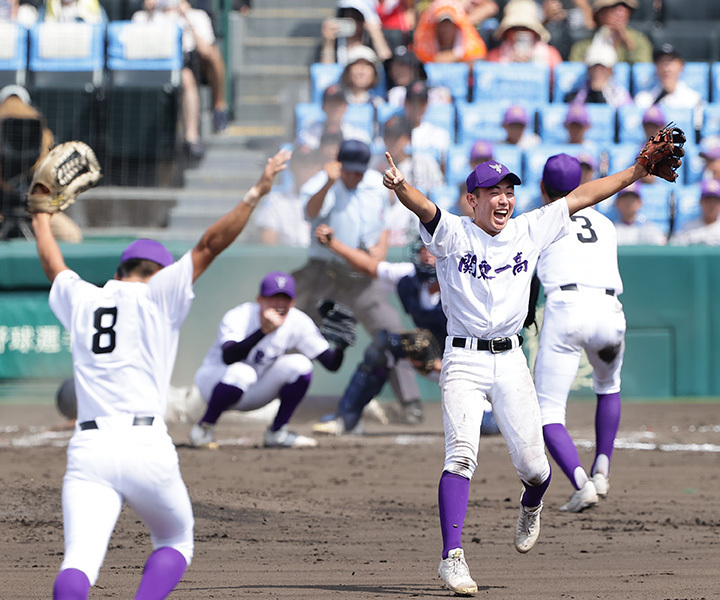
(338, 324)
(661, 154)
(420, 346)
(68, 170)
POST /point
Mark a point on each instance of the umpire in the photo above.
(351, 199)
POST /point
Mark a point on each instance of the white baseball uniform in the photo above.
(485, 283)
(580, 276)
(124, 342)
(269, 365)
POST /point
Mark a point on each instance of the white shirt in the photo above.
(283, 212)
(297, 333)
(390, 275)
(587, 256)
(199, 19)
(697, 233)
(428, 136)
(683, 97)
(124, 338)
(639, 233)
(486, 279)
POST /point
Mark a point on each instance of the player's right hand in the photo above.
(333, 169)
(324, 233)
(393, 178)
(274, 165)
(271, 319)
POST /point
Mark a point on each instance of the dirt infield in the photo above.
(356, 518)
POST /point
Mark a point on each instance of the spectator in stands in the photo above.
(477, 11)
(704, 230)
(564, 19)
(445, 34)
(330, 143)
(12, 10)
(523, 38)
(425, 135)
(397, 15)
(670, 90)
(611, 19)
(587, 164)
(599, 86)
(711, 156)
(632, 227)
(515, 123)
(402, 70)
(481, 151)
(577, 123)
(72, 11)
(356, 23)
(360, 76)
(652, 121)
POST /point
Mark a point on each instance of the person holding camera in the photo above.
(356, 23)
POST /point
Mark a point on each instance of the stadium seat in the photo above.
(527, 198)
(656, 205)
(687, 205)
(630, 127)
(695, 74)
(361, 116)
(440, 114)
(523, 82)
(551, 118)
(694, 40)
(457, 166)
(445, 197)
(13, 53)
(483, 120)
(453, 76)
(715, 82)
(569, 75)
(323, 75)
(711, 120)
(536, 157)
(697, 10)
(616, 157)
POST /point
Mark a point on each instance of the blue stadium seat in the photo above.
(711, 120)
(324, 75)
(695, 74)
(445, 197)
(483, 120)
(457, 166)
(569, 75)
(715, 82)
(551, 128)
(536, 157)
(630, 122)
(617, 157)
(687, 205)
(526, 198)
(361, 116)
(522, 82)
(691, 171)
(13, 53)
(656, 205)
(440, 114)
(453, 76)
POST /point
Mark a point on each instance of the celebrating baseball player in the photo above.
(124, 341)
(250, 363)
(416, 284)
(580, 276)
(484, 266)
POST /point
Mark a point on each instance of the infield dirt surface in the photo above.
(356, 517)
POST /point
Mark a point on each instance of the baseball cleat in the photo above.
(411, 413)
(282, 438)
(602, 484)
(528, 528)
(585, 497)
(455, 573)
(336, 426)
(202, 435)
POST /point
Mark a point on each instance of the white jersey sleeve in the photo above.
(390, 274)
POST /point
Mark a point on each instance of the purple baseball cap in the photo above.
(277, 282)
(586, 159)
(710, 187)
(711, 153)
(146, 249)
(654, 115)
(481, 149)
(488, 174)
(515, 114)
(562, 172)
(633, 188)
(577, 113)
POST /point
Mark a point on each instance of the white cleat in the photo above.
(455, 573)
(337, 427)
(202, 435)
(602, 484)
(283, 438)
(585, 497)
(528, 528)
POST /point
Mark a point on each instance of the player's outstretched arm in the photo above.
(223, 232)
(597, 190)
(358, 259)
(413, 199)
(51, 257)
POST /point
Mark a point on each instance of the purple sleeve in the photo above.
(332, 358)
(432, 224)
(233, 352)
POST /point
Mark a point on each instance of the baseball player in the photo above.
(484, 266)
(419, 292)
(124, 341)
(580, 276)
(250, 363)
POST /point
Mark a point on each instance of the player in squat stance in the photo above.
(580, 276)
(124, 341)
(484, 265)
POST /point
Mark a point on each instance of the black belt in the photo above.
(572, 287)
(495, 345)
(85, 425)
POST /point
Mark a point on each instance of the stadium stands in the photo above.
(13, 53)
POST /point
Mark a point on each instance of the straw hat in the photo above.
(522, 13)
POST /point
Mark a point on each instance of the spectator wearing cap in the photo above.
(402, 70)
(632, 227)
(480, 152)
(669, 90)
(445, 34)
(612, 19)
(588, 164)
(425, 135)
(364, 29)
(599, 85)
(711, 156)
(352, 200)
(361, 76)
(652, 121)
(705, 230)
(515, 123)
(577, 122)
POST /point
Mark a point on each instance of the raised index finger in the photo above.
(390, 160)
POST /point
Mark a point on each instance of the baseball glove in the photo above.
(420, 346)
(661, 154)
(338, 324)
(68, 170)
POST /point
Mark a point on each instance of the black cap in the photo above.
(403, 56)
(354, 155)
(666, 49)
(396, 126)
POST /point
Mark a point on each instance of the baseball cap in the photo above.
(562, 172)
(601, 54)
(147, 249)
(445, 16)
(14, 90)
(654, 116)
(515, 114)
(357, 53)
(598, 4)
(481, 149)
(354, 155)
(710, 187)
(277, 282)
(577, 113)
(403, 56)
(488, 174)
(586, 159)
(711, 153)
(666, 49)
(417, 90)
(334, 92)
(633, 188)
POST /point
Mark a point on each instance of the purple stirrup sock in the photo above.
(453, 494)
(163, 570)
(223, 397)
(71, 584)
(607, 423)
(291, 394)
(533, 494)
(562, 449)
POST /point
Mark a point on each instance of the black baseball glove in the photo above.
(661, 154)
(421, 347)
(338, 324)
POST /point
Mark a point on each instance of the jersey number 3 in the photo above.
(587, 234)
(103, 341)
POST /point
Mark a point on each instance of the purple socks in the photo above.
(163, 570)
(71, 584)
(562, 449)
(607, 423)
(291, 394)
(222, 398)
(453, 493)
(533, 494)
